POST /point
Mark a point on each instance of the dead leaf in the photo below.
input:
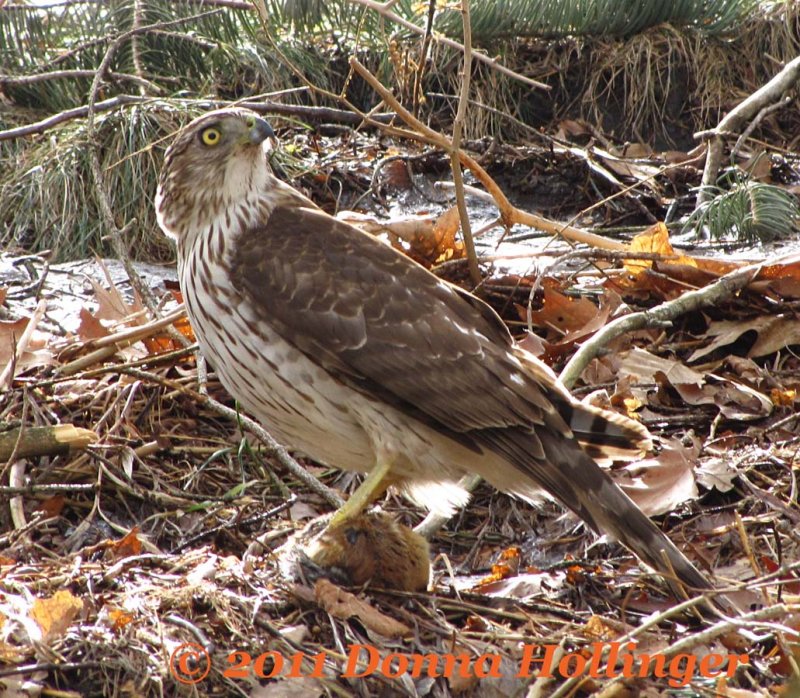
(426, 238)
(735, 400)
(572, 127)
(344, 605)
(688, 272)
(35, 354)
(90, 327)
(662, 483)
(525, 586)
(716, 473)
(55, 614)
(561, 312)
(163, 342)
(119, 618)
(597, 629)
(444, 235)
(395, 175)
(507, 565)
(774, 332)
(128, 545)
(52, 506)
(656, 240)
(111, 303)
(783, 397)
(302, 510)
(642, 366)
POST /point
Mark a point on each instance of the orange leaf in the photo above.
(55, 614)
(128, 545)
(560, 312)
(119, 618)
(52, 506)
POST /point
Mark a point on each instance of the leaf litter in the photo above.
(148, 531)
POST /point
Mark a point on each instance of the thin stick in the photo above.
(746, 110)
(455, 163)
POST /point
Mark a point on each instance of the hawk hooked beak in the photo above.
(259, 131)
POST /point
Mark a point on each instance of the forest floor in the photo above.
(143, 555)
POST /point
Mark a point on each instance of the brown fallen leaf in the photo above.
(716, 473)
(128, 545)
(36, 352)
(560, 312)
(344, 605)
(774, 332)
(55, 614)
(734, 399)
(662, 483)
(112, 305)
(91, 327)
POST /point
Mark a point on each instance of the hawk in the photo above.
(351, 353)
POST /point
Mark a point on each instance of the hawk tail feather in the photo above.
(570, 475)
(607, 435)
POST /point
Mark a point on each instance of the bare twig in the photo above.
(723, 288)
(510, 214)
(104, 201)
(136, 52)
(313, 114)
(68, 115)
(16, 81)
(768, 94)
(455, 163)
(423, 56)
(753, 125)
(278, 451)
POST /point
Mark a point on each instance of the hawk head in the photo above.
(214, 164)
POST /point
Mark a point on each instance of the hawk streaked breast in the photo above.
(350, 352)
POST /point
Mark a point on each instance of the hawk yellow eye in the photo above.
(211, 136)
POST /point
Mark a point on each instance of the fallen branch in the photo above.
(762, 98)
(105, 347)
(44, 441)
(722, 289)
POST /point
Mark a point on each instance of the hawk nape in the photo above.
(353, 354)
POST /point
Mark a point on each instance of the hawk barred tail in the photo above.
(353, 354)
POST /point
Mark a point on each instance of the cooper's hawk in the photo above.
(353, 354)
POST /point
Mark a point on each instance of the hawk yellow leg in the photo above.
(373, 486)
